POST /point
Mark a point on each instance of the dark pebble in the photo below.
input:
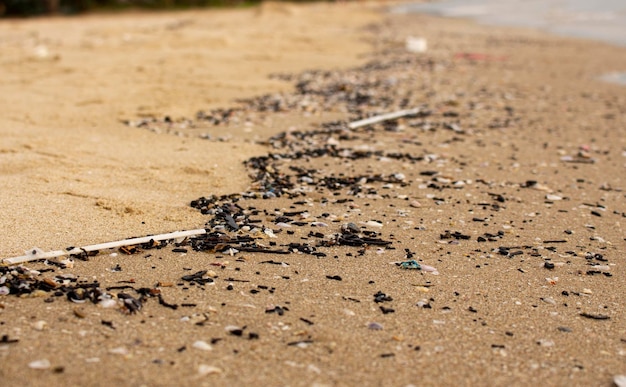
(386, 310)
(595, 316)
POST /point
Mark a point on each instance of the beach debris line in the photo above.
(20, 281)
(35, 254)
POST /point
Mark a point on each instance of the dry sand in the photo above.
(522, 152)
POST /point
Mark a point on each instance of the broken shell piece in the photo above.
(108, 303)
(40, 325)
(202, 345)
(119, 351)
(204, 370)
(42, 364)
(429, 269)
(552, 281)
(373, 223)
(620, 380)
(416, 44)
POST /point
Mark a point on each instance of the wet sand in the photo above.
(509, 182)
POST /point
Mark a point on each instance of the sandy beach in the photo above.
(476, 241)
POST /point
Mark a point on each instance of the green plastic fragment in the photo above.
(412, 264)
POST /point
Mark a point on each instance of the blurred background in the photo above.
(22, 8)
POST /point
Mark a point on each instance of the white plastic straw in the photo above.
(383, 117)
(36, 254)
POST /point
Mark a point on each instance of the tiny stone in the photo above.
(374, 326)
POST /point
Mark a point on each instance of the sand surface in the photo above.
(509, 182)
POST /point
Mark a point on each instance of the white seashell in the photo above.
(204, 370)
(416, 44)
(202, 345)
(619, 380)
(546, 343)
(373, 223)
(118, 351)
(429, 269)
(42, 364)
(108, 303)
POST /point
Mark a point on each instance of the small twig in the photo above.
(36, 254)
(383, 117)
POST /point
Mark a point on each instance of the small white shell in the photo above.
(202, 345)
(204, 370)
(42, 364)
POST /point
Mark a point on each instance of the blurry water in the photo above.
(603, 20)
(594, 19)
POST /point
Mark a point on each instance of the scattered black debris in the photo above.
(275, 263)
(236, 331)
(382, 297)
(198, 277)
(6, 340)
(595, 316)
(166, 304)
(386, 310)
(279, 310)
(454, 235)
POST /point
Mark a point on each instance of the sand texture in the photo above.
(476, 241)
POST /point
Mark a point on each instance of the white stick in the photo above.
(383, 117)
(36, 254)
